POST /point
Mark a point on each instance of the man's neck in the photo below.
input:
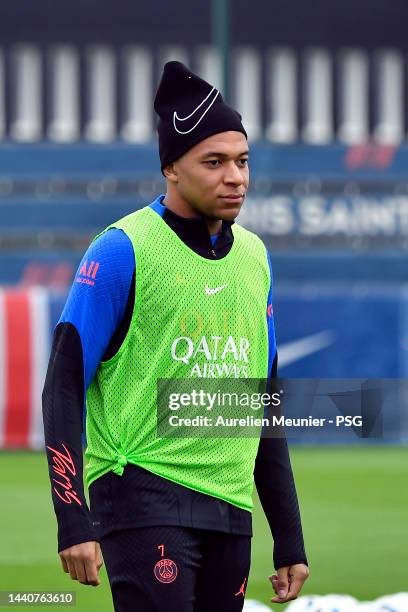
(182, 209)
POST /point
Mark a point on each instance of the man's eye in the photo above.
(243, 162)
(213, 162)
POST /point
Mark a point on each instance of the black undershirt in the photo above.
(139, 498)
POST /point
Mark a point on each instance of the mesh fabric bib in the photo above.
(181, 328)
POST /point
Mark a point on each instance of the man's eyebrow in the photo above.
(223, 155)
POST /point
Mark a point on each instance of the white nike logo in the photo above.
(215, 290)
(176, 118)
(298, 349)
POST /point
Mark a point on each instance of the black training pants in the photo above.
(176, 569)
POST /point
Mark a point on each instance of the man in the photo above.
(173, 517)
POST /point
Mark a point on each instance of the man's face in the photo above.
(213, 176)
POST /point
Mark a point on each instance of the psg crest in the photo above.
(165, 570)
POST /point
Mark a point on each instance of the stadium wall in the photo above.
(335, 219)
(326, 212)
(332, 333)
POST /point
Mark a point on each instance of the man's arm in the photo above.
(84, 335)
(277, 492)
(63, 400)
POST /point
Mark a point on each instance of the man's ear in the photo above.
(170, 173)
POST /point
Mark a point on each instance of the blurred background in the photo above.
(323, 89)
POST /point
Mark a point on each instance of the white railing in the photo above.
(64, 125)
(101, 94)
(2, 98)
(390, 97)
(137, 95)
(318, 99)
(27, 65)
(285, 96)
(353, 103)
(281, 96)
(247, 89)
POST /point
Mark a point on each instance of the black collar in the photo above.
(195, 234)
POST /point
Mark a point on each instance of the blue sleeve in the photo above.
(99, 294)
(270, 321)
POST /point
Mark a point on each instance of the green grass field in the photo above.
(354, 504)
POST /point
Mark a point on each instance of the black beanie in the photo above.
(190, 110)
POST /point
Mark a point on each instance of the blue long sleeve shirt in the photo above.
(91, 329)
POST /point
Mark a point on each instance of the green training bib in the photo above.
(192, 317)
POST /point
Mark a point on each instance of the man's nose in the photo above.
(233, 174)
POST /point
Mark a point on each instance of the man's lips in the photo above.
(233, 197)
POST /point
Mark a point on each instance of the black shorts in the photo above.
(176, 569)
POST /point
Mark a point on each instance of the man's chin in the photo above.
(225, 214)
(230, 214)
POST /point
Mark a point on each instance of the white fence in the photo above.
(101, 94)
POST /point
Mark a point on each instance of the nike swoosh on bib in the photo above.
(215, 290)
(199, 112)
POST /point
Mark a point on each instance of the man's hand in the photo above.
(288, 582)
(83, 562)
